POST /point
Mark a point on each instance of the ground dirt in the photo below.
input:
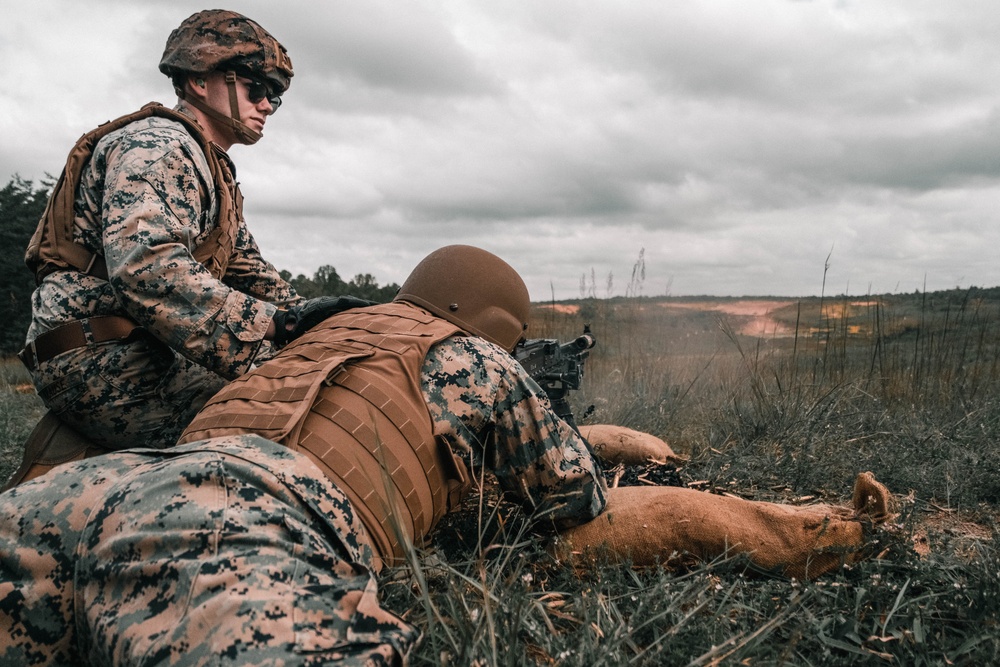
(753, 315)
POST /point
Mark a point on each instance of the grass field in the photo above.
(771, 399)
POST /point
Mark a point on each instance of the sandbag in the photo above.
(617, 444)
(871, 498)
(678, 526)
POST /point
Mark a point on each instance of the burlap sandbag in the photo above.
(617, 444)
(652, 525)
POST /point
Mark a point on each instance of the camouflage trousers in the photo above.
(123, 393)
(230, 551)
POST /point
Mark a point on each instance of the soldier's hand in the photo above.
(296, 320)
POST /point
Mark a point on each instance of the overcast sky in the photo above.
(736, 144)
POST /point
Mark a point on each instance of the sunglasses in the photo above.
(258, 90)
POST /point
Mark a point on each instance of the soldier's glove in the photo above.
(291, 323)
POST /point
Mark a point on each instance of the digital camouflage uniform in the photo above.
(239, 550)
(234, 551)
(475, 390)
(146, 200)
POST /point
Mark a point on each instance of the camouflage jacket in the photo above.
(491, 412)
(145, 202)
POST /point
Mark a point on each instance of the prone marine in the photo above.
(257, 539)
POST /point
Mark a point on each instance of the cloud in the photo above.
(736, 143)
(402, 49)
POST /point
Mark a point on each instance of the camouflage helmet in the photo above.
(217, 39)
(473, 289)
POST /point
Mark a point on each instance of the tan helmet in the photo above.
(473, 289)
(217, 39)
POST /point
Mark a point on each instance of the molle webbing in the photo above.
(360, 407)
(348, 395)
(52, 247)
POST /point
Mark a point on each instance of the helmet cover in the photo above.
(218, 39)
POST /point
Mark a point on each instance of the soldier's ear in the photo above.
(194, 85)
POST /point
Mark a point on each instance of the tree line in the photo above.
(22, 203)
(327, 282)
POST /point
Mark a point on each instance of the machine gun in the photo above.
(557, 368)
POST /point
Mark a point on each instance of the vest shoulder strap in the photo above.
(51, 247)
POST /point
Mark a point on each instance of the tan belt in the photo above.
(73, 335)
(97, 268)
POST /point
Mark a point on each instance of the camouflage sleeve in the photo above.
(478, 394)
(154, 215)
(250, 273)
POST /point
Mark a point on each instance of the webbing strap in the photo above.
(363, 480)
(265, 425)
(363, 382)
(367, 507)
(52, 247)
(405, 478)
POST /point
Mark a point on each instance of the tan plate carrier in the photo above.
(348, 395)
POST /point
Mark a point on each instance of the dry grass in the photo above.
(904, 386)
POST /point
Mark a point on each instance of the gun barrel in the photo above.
(584, 342)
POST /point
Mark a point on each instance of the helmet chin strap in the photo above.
(243, 133)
